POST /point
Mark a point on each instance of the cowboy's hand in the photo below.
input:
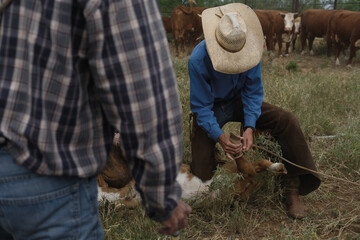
(248, 139)
(229, 147)
(177, 221)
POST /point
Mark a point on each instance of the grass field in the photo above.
(325, 98)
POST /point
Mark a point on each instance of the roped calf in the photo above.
(121, 189)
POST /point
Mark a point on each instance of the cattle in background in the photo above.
(344, 30)
(283, 28)
(279, 25)
(267, 23)
(167, 24)
(314, 23)
(186, 25)
(289, 28)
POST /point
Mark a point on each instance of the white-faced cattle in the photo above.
(278, 24)
(344, 30)
(289, 29)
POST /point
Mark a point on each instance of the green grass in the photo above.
(325, 100)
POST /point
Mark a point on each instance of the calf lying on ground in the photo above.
(192, 186)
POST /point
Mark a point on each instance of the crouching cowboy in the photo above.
(226, 85)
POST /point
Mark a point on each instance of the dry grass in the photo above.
(325, 99)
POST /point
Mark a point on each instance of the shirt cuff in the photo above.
(246, 127)
(214, 135)
(250, 122)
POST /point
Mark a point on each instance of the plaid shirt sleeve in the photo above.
(136, 85)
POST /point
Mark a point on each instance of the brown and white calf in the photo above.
(192, 186)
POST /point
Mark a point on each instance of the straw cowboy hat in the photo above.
(234, 37)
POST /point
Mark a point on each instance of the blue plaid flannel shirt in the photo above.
(73, 71)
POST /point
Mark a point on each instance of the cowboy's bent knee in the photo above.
(288, 119)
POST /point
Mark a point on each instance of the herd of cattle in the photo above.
(339, 28)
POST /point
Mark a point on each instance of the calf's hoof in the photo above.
(277, 169)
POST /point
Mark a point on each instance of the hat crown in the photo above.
(231, 32)
(248, 40)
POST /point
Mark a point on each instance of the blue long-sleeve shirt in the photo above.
(208, 87)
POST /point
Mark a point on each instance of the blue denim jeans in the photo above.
(46, 207)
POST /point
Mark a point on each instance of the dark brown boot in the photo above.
(294, 204)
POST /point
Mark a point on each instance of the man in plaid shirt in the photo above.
(72, 72)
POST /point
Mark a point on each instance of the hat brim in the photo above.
(233, 62)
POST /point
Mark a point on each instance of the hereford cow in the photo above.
(314, 23)
(122, 192)
(344, 30)
(288, 31)
(186, 26)
(278, 24)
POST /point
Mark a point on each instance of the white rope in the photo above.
(334, 136)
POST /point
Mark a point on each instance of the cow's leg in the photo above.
(250, 185)
(294, 42)
(176, 42)
(245, 167)
(336, 48)
(328, 45)
(287, 46)
(261, 165)
(311, 41)
(182, 41)
(243, 188)
(192, 43)
(243, 185)
(352, 53)
(269, 42)
(279, 42)
(101, 181)
(264, 164)
(303, 41)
